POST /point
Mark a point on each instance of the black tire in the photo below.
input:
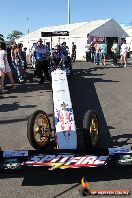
(91, 129)
(42, 129)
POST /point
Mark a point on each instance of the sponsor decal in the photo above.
(63, 161)
(65, 118)
(125, 160)
(15, 153)
(10, 164)
(120, 150)
(86, 191)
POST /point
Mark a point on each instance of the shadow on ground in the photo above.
(84, 97)
(122, 140)
(40, 178)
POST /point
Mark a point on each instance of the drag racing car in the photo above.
(63, 146)
(64, 134)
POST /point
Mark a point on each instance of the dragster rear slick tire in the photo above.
(39, 124)
(88, 136)
(91, 129)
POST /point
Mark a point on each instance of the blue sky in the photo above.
(43, 13)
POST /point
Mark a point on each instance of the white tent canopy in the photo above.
(78, 33)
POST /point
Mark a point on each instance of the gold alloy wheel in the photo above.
(94, 130)
(41, 130)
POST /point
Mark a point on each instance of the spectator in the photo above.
(97, 54)
(65, 58)
(24, 57)
(73, 55)
(123, 52)
(88, 53)
(32, 57)
(41, 54)
(103, 50)
(92, 53)
(115, 51)
(4, 67)
(64, 49)
(8, 49)
(16, 56)
(57, 55)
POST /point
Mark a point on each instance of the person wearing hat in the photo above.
(41, 54)
(40, 40)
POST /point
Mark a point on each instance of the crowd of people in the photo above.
(13, 63)
(42, 57)
(4, 67)
(97, 52)
(13, 58)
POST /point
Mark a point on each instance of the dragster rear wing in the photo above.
(66, 159)
(56, 33)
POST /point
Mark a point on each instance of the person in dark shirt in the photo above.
(8, 50)
(24, 59)
(73, 55)
(42, 55)
(92, 49)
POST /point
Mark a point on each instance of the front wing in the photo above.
(66, 159)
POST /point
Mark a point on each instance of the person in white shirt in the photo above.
(88, 52)
(4, 67)
(123, 53)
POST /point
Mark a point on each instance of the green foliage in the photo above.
(14, 35)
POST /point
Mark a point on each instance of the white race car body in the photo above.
(63, 112)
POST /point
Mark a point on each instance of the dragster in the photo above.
(64, 134)
(64, 147)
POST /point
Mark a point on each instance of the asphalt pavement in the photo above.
(105, 89)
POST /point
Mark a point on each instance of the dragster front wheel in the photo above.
(39, 130)
(91, 129)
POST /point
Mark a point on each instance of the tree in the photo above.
(1, 37)
(14, 35)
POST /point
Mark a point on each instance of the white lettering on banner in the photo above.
(64, 158)
(47, 158)
(89, 160)
(120, 150)
(72, 160)
(35, 159)
(68, 160)
(81, 160)
(41, 158)
(101, 160)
